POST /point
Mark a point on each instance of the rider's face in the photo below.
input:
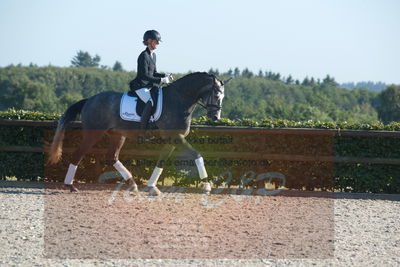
(153, 44)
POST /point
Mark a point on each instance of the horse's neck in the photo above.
(189, 92)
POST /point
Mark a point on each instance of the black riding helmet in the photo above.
(152, 34)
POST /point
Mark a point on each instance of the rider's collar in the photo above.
(150, 51)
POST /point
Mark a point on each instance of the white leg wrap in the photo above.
(154, 177)
(69, 177)
(201, 168)
(122, 170)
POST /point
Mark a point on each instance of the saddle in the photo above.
(131, 107)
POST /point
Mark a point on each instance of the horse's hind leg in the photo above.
(116, 143)
(90, 138)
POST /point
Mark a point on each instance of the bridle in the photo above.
(214, 90)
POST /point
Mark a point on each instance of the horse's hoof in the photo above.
(206, 187)
(134, 188)
(154, 191)
(72, 188)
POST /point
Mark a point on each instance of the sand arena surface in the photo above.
(187, 225)
(51, 227)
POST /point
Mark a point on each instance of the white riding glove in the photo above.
(167, 79)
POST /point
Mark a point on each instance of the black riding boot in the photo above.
(145, 119)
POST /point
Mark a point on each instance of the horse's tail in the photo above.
(55, 150)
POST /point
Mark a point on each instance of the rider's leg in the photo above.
(145, 96)
(146, 115)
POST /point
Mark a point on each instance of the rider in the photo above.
(147, 74)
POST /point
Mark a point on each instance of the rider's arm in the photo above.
(160, 75)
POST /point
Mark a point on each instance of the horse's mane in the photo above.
(187, 78)
(195, 73)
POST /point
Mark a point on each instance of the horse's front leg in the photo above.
(152, 183)
(205, 184)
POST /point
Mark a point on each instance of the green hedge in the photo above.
(275, 123)
(12, 114)
(350, 177)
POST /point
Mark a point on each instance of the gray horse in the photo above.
(100, 116)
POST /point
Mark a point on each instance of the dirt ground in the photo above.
(105, 223)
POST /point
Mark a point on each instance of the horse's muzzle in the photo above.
(214, 115)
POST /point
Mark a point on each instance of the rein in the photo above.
(201, 104)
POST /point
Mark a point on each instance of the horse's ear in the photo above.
(226, 81)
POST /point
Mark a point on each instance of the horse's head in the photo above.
(213, 98)
(205, 87)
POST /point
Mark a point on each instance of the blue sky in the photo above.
(351, 40)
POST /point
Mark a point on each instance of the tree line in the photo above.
(375, 86)
(276, 76)
(84, 59)
(248, 96)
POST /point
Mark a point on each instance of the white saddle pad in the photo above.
(127, 109)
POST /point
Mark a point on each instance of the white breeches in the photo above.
(144, 94)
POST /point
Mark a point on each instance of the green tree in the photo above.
(214, 72)
(117, 66)
(312, 81)
(306, 81)
(53, 89)
(329, 81)
(84, 59)
(236, 72)
(289, 79)
(247, 73)
(276, 76)
(389, 106)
